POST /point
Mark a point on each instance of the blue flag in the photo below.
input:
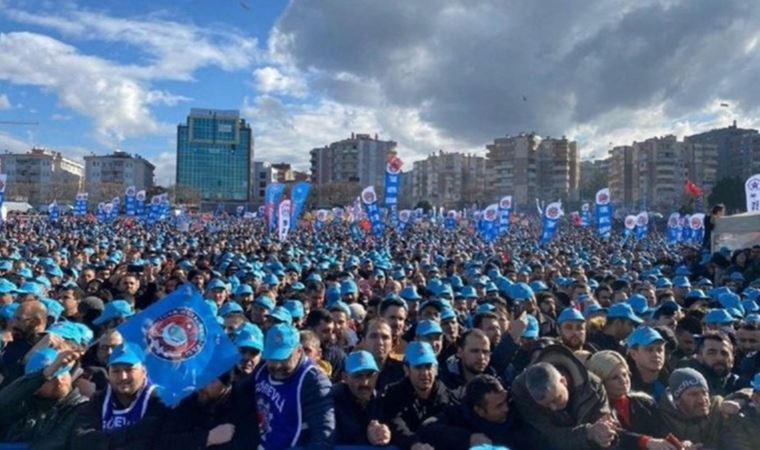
(642, 225)
(101, 214)
(630, 226)
(604, 213)
(450, 222)
(674, 231)
(130, 201)
(80, 204)
(3, 180)
(392, 185)
(272, 197)
(488, 226)
(140, 203)
(185, 347)
(685, 223)
(505, 210)
(369, 198)
(53, 211)
(551, 222)
(585, 215)
(298, 196)
(404, 217)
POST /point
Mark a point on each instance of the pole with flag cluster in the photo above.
(392, 186)
(505, 210)
(369, 198)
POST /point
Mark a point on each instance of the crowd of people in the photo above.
(426, 339)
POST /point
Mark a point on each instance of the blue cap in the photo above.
(756, 382)
(410, 293)
(295, 307)
(332, 294)
(521, 292)
(736, 276)
(116, 309)
(8, 312)
(230, 308)
(428, 327)
(419, 353)
(6, 287)
(281, 314)
(127, 354)
(265, 302)
(42, 359)
(718, 316)
(340, 306)
(68, 331)
(697, 294)
(539, 286)
(298, 286)
(250, 336)
(435, 303)
(750, 306)
(244, 289)
(30, 287)
(682, 282)
(216, 283)
(280, 343)
(663, 283)
(6, 265)
(271, 280)
(348, 287)
(360, 361)
(623, 311)
(54, 308)
(531, 331)
(594, 309)
(25, 273)
(570, 315)
(448, 314)
(639, 304)
(731, 301)
(644, 336)
(469, 292)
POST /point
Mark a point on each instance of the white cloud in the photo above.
(4, 102)
(12, 143)
(166, 168)
(165, 98)
(269, 80)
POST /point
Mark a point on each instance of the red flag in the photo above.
(692, 189)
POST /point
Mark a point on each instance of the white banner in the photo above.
(283, 218)
(752, 190)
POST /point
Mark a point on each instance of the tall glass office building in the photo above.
(215, 155)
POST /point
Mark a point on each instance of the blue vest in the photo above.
(279, 407)
(113, 419)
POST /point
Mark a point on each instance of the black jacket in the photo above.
(451, 430)
(187, 426)
(604, 341)
(404, 412)
(718, 385)
(452, 375)
(43, 424)
(351, 418)
(566, 429)
(89, 435)
(644, 418)
(392, 372)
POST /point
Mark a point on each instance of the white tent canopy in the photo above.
(737, 231)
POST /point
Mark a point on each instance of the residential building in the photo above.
(621, 175)
(451, 180)
(40, 176)
(108, 176)
(749, 150)
(263, 175)
(215, 156)
(529, 167)
(731, 146)
(360, 158)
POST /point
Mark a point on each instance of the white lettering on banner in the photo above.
(752, 191)
(272, 394)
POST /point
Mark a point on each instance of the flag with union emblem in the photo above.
(185, 347)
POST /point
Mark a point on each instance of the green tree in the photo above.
(730, 192)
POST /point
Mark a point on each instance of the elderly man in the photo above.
(39, 408)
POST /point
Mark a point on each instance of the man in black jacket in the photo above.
(482, 418)
(472, 359)
(39, 408)
(715, 360)
(417, 397)
(355, 403)
(127, 414)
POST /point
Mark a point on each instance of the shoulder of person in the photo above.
(642, 397)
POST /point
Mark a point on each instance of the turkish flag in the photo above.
(692, 189)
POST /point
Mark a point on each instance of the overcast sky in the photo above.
(430, 74)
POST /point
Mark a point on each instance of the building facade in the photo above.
(107, 176)
(731, 144)
(360, 158)
(263, 175)
(621, 175)
(451, 180)
(529, 167)
(215, 156)
(40, 176)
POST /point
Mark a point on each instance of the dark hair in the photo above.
(717, 208)
(317, 316)
(385, 304)
(477, 388)
(717, 336)
(689, 324)
(480, 317)
(471, 332)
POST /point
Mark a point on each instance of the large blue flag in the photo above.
(488, 227)
(585, 215)
(130, 201)
(392, 185)
(298, 196)
(80, 205)
(551, 222)
(185, 347)
(604, 213)
(272, 197)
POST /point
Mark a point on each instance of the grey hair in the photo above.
(540, 380)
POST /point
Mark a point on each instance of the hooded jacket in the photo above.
(566, 429)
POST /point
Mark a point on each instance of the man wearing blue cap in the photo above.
(128, 414)
(572, 329)
(646, 351)
(406, 404)
(293, 396)
(355, 403)
(621, 321)
(40, 408)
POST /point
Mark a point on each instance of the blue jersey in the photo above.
(113, 419)
(279, 407)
